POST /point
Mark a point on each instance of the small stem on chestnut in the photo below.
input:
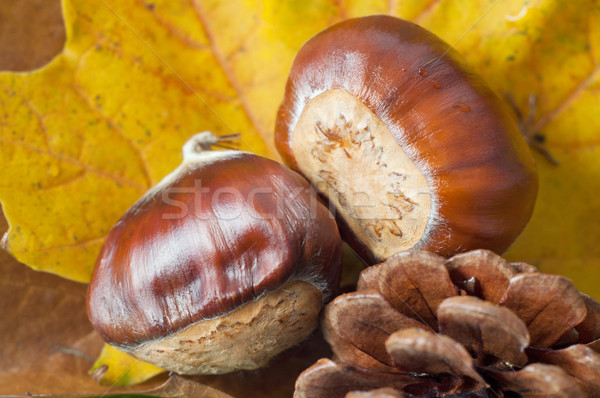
(205, 141)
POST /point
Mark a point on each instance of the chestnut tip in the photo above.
(205, 141)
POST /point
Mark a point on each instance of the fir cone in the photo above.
(471, 326)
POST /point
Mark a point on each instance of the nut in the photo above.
(221, 266)
(410, 147)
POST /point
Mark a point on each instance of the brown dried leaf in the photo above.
(275, 380)
(379, 393)
(489, 272)
(589, 329)
(418, 350)
(484, 329)
(327, 379)
(548, 304)
(540, 380)
(32, 32)
(179, 386)
(414, 283)
(578, 361)
(357, 324)
(47, 343)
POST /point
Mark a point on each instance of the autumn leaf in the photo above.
(87, 135)
(115, 368)
(47, 345)
(82, 138)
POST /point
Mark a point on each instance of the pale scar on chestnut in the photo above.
(350, 155)
(246, 338)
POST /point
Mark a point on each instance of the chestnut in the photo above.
(221, 266)
(409, 146)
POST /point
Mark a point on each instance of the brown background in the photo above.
(31, 33)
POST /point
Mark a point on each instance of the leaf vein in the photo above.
(173, 31)
(74, 245)
(142, 161)
(167, 81)
(341, 6)
(571, 97)
(235, 84)
(60, 184)
(392, 5)
(40, 119)
(426, 10)
(77, 163)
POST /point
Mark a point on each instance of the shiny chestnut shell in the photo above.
(456, 132)
(223, 230)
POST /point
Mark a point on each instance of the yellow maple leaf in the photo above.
(115, 368)
(82, 138)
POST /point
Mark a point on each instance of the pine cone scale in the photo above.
(424, 284)
(358, 326)
(326, 379)
(540, 380)
(484, 329)
(379, 393)
(589, 328)
(433, 354)
(549, 305)
(491, 273)
(578, 361)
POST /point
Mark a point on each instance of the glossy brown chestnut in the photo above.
(411, 148)
(222, 265)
